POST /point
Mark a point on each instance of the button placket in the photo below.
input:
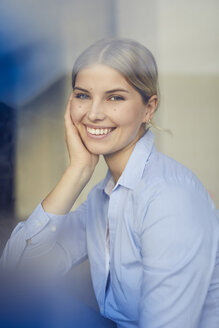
(112, 210)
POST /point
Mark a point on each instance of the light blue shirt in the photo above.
(164, 244)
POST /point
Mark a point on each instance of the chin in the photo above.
(95, 150)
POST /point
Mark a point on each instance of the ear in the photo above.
(150, 108)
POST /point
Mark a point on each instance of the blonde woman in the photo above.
(149, 229)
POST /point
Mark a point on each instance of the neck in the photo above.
(117, 161)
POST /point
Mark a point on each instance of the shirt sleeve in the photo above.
(55, 242)
(179, 245)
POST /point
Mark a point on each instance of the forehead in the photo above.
(103, 76)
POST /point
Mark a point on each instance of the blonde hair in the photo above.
(133, 60)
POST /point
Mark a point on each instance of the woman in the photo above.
(149, 228)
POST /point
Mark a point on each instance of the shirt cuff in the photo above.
(36, 221)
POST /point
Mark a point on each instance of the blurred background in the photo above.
(39, 41)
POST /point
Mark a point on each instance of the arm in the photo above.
(59, 235)
(179, 243)
(47, 243)
(82, 164)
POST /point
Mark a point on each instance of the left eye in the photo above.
(116, 98)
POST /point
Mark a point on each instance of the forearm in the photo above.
(61, 199)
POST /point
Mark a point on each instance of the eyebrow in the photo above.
(107, 92)
(116, 90)
(81, 89)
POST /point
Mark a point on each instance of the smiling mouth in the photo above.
(99, 131)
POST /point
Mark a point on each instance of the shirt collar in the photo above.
(134, 169)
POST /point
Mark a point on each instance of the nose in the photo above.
(96, 111)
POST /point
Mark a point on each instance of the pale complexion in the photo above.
(109, 114)
(105, 115)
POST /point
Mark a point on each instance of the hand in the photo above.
(79, 155)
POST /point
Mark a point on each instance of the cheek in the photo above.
(76, 112)
(128, 116)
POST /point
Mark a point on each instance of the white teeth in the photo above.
(98, 132)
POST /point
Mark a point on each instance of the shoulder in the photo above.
(178, 209)
(166, 175)
(169, 190)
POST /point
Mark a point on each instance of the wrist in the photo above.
(82, 173)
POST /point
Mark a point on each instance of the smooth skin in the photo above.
(105, 116)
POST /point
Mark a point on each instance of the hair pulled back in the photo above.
(134, 61)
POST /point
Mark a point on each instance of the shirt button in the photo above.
(38, 223)
(53, 228)
(28, 241)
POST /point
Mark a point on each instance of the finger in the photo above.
(69, 103)
(67, 115)
(70, 127)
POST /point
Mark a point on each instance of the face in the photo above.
(107, 111)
